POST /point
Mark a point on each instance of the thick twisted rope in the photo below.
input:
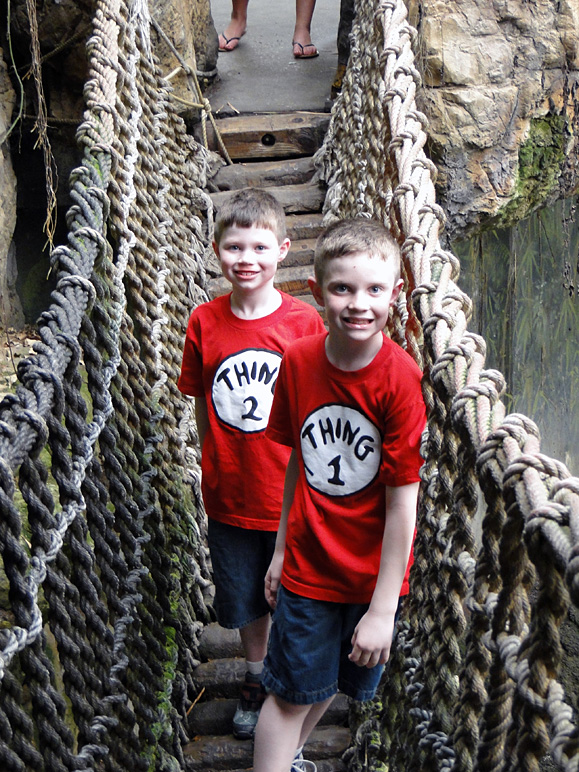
(119, 558)
(477, 673)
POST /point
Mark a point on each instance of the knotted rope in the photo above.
(473, 681)
(114, 570)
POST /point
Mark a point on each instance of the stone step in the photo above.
(215, 716)
(220, 752)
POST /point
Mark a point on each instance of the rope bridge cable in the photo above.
(103, 542)
(473, 681)
(103, 549)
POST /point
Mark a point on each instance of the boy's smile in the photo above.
(249, 256)
(357, 292)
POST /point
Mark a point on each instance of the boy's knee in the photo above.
(289, 709)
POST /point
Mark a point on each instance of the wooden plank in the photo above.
(304, 226)
(264, 174)
(275, 135)
(301, 253)
(295, 199)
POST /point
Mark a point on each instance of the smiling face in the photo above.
(357, 292)
(249, 257)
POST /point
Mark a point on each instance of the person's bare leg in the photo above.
(254, 638)
(277, 734)
(315, 713)
(302, 40)
(235, 30)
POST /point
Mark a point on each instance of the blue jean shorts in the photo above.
(307, 659)
(240, 559)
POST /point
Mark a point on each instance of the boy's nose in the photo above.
(359, 301)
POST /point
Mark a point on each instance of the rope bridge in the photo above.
(101, 529)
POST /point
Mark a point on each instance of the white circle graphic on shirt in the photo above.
(243, 387)
(341, 449)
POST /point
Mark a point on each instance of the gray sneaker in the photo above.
(248, 707)
(300, 764)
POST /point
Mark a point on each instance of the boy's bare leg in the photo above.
(315, 713)
(236, 27)
(304, 13)
(254, 638)
(281, 730)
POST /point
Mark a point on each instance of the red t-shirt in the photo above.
(354, 433)
(234, 364)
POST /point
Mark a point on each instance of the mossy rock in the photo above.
(541, 160)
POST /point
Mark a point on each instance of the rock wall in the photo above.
(500, 92)
(10, 309)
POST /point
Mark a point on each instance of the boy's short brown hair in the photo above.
(251, 207)
(351, 235)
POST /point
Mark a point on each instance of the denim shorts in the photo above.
(307, 659)
(240, 559)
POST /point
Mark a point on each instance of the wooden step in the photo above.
(264, 174)
(217, 642)
(220, 677)
(215, 716)
(273, 135)
(295, 199)
(304, 226)
(217, 752)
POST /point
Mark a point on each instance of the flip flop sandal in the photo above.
(228, 41)
(303, 55)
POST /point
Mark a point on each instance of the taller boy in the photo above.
(349, 403)
(231, 361)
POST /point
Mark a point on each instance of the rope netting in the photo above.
(473, 681)
(101, 538)
(101, 544)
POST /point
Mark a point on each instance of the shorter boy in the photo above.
(231, 361)
(350, 405)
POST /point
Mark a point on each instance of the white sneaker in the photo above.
(299, 764)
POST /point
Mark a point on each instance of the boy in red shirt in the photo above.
(231, 360)
(350, 406)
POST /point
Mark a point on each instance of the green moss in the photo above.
(541, 159)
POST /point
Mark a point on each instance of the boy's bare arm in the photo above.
(202, 418)
(273, 576)
(372, 638)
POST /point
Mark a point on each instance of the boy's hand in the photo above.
(272, 579)
(372, 640)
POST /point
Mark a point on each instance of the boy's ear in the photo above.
(396, 291)
(316, 291)
(283, 249)
(215, 246)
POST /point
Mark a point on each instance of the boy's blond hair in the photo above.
(351, 235)
(251, 207)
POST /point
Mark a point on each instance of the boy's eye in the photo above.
(376, 290)
(340, 288)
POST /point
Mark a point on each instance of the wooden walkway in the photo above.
(273, 151)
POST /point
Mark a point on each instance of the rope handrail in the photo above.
(104, 549)
(477, 458)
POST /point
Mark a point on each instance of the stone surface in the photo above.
(10, 308)
(491, 71)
